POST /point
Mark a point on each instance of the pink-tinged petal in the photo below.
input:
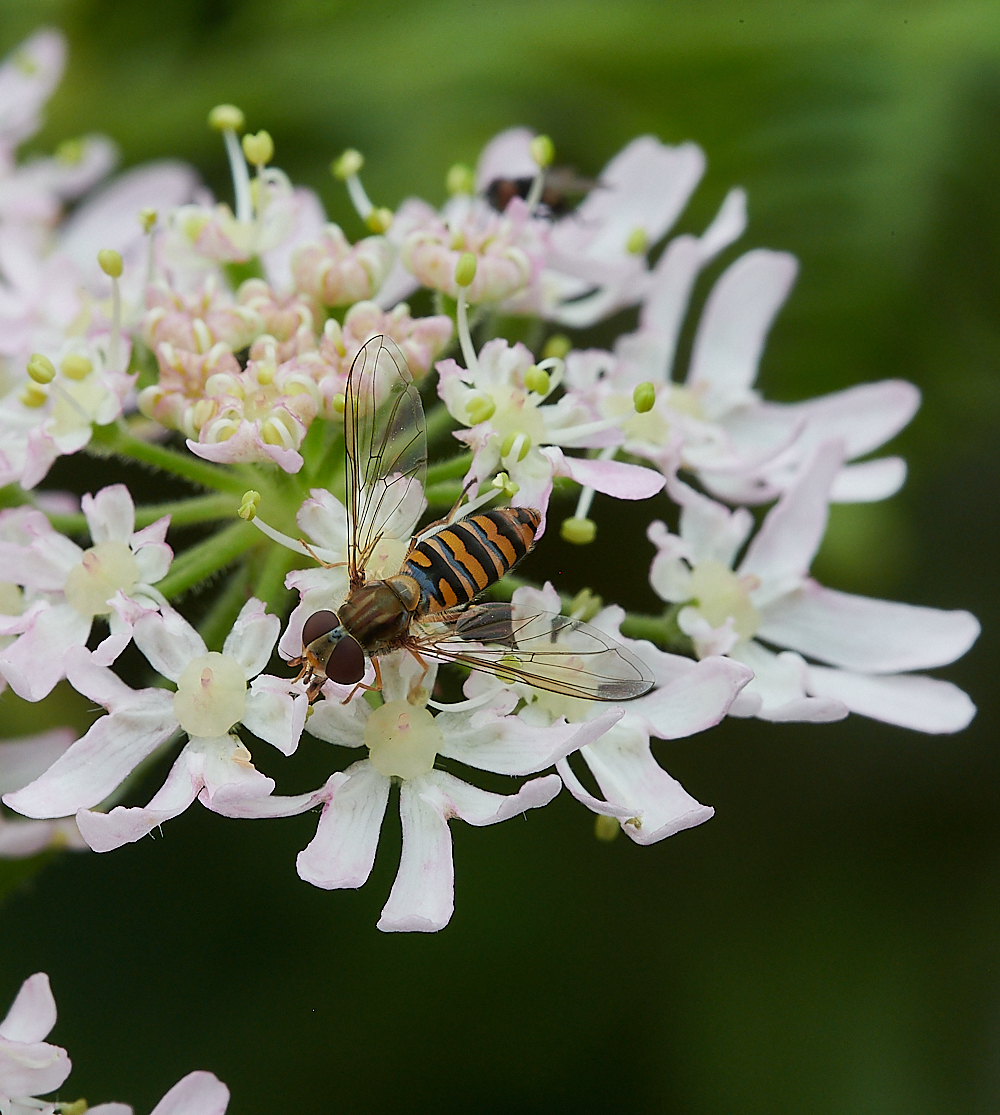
(921, 703)
(110, 514)
(613, 478)
(153, 535)
(780, 687)
(139, 721)
(630, 777)
(273, 805)
(479, 807)
(110, 1109)
(33, 1013)
(320, 590)
(27, 78)
(168, 641)
(275, 712)
(712, 532)
(246, 446)
(198, 1093)
(106, 831)
(422, 898)
(692, 703)
(734, 327)
(309, 220)
(780, 554)
(23, 760)
(31, 1069)
(869, 481)
(510, 745)
(21, 839)
(33, 664)
(253, 637)
(507, 155)
(342, 852)
(229, 774)
(872, 636)
(152, 555)
(398, 284)
(585, 797)
(341, 724)
(324, 519)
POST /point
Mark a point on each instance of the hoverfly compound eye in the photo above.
(317, 625)
(346, 664)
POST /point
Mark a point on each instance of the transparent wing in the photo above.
(386, 442)
(545, 650)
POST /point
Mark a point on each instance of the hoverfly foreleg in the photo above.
(315, 556)
(377, 687)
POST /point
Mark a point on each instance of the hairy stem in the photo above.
(270, 583)
(182, 512)
(451, 469)
(208, 557)
(226, 607)
(116, 441)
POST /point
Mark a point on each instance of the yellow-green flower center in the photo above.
(403, 741)
(104, 569)
(720, 594)
(211, 695)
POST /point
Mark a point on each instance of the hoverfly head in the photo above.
(325, 640)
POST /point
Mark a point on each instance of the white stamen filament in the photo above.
(463, 706)
(574, 433)
(464, 336)
(291, 543)
(535, 193)
(359, 199)
(114, 345)
(241, 176)
(150, 255)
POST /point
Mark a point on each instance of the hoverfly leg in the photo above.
(421, 662)
(315, 557)
(377, 687)
(448, 519)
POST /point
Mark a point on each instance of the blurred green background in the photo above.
(829, 942)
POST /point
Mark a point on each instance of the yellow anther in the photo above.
(259, 148)
(542, 150)
(585, 605)
(349, 163)
(248, 508)
(465, 269)
(76, 366)
(380, 220)
(147, 218)
(226, 118)
(77, 1107)
(480, 408)
(33, 396)
(339, 403)
(265, 374)
(71, 151)
(644, 397)
(508, 445)
(556, 347)
(460, 180)
(110, 262)
(537, 379)
(637, 242)
(580, 532)
(503, 483)
(41, 368)
(606, 828)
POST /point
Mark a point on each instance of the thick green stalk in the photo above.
(270, 583)
(439, 423)
(182, 512)
(453, 468)
(116, 441)
(208, 557)
(226, 607)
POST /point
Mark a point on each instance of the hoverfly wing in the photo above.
(386, 445)
(548, 651)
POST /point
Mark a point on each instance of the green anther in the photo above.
(585, 605)
(349, 163)
(537, 379)
(480, 408)
(606, 828)
(33, 396)
(542, 150)
(465, 269)
(339, 403)
(248, 508)
(644, 397)
(556, 347)
(460, 180)
(147, 218)
(259, 148)
(77, 1107)
(637, 242)
(226, 118)
(70, 152)
(110, 262)
(380, 220)
(580, 532)
(76, 366)
(508, 445)
(41, 369)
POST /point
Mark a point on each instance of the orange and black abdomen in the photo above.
(463, 559)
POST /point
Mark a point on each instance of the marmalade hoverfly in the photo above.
(427, 605)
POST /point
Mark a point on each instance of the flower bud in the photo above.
(465, 269)
(480, 408)
(556, 347)
(379, 220)
(110, 262)
(644, 397)
(606, 828)
(225, 118)
(349, 163)
(542, 150)
(537, 379)
(508, 445)
(248, 508)
(637, 242)
(41, 368)
(580, 532)
(460, 180)
(339, 403)
(76, 366)
(259, 148)
(147, 218)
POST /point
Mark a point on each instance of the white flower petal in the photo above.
(338, 723)
(23, 760)
(691, 703)
(779, 682)
(33, 1013)
(168, 641)
(275, 712)
(33, 664)
(198, 1093)
(253, 637)
(869, 481)
(31, 1068)
(275, 805)
(342, 852)
(324, 518)
(110, 514)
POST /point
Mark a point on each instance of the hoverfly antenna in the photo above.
(318, 624)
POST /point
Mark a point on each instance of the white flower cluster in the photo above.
(241, 325)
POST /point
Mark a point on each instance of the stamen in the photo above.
(293, 544)
(111, 264)
(465, 272)
(346, 169)
(227, 119)
(147, 218)
(543, 152)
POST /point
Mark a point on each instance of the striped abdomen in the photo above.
(460, 561)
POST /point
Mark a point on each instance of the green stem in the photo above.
(270, 583)
(439, 423)
(451, 469)
(226, 607)
(208, 557)
(182, 512)
(114, 440)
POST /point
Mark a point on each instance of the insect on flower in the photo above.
(427, 606)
